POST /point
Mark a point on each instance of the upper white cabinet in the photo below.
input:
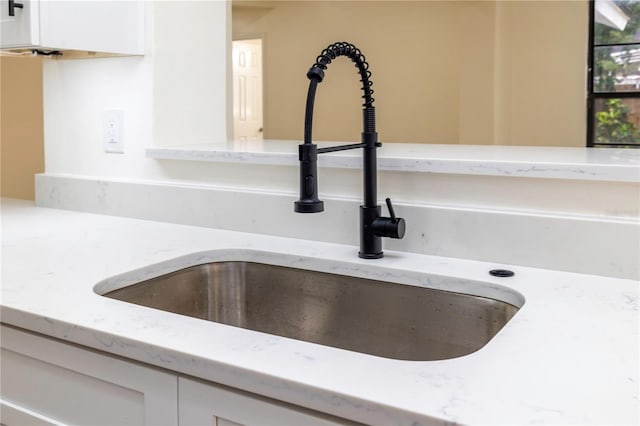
(85, 25)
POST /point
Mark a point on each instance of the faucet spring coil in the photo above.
(349, 50)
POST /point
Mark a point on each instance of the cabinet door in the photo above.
(22, 29)
(209, 404)
(45, 381)
(96, 25)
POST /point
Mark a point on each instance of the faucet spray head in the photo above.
(308, 202)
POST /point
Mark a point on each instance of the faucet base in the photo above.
(370, 243)
(308, 206)
(370, 256)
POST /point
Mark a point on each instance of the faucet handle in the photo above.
(391, 227)
(390, 207)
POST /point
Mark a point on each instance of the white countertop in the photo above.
(607, 164)
(569, 356)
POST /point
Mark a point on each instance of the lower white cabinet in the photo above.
(48, 382)
(206, 404)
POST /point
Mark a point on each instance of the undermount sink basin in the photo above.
(375, 317)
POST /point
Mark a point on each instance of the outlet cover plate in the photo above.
(113, 131)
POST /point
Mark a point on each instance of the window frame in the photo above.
(592, 96)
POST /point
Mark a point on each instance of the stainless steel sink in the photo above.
(374, 317)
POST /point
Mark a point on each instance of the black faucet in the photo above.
(372, 225)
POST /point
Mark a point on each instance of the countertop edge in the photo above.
(615, 165)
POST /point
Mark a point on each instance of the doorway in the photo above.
(247, 90)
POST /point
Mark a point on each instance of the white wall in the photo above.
(176, 94)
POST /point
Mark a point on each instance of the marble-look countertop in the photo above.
(605, 164)
(569, 356)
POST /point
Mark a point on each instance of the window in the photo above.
(614, 74)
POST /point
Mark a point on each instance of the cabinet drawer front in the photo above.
(67, 384)
(206, 403)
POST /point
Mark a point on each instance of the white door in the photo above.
(247, 90)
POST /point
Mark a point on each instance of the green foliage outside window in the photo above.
(613, 125)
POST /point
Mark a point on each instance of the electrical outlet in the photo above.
(113, 131)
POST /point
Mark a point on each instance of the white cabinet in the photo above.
(104, 26)
(48, 382)
(208, 404)
(18, 28)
